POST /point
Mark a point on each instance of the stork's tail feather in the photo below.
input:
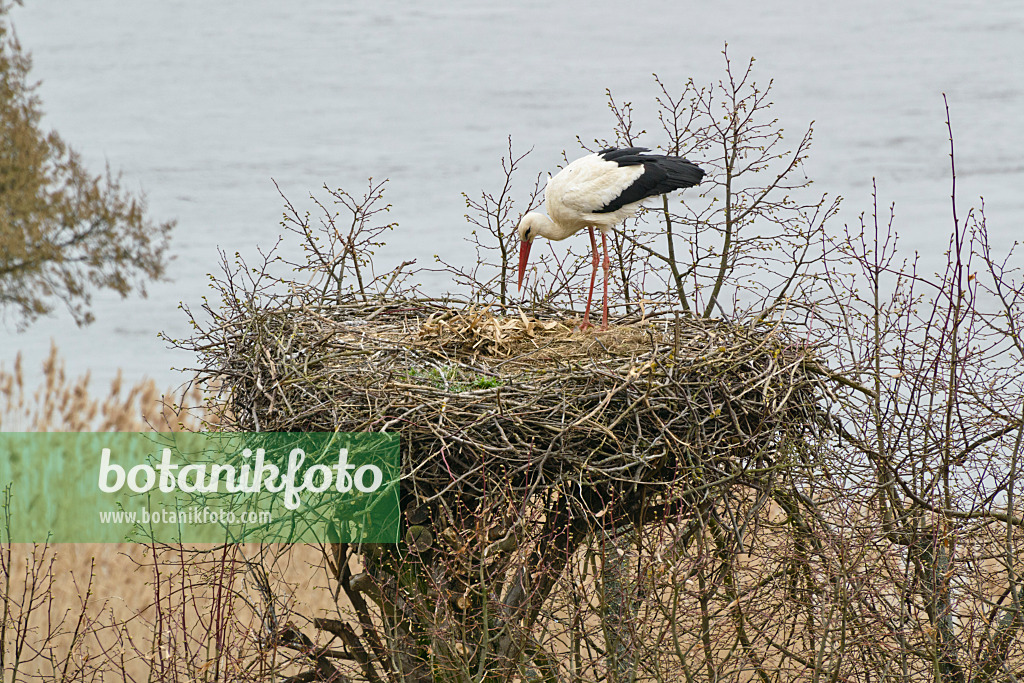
(679, 173)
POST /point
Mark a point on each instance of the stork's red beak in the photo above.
(524, 256)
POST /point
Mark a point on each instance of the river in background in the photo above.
(200, 104)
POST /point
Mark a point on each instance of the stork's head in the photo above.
(529, 227)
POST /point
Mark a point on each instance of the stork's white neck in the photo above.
(540, 225)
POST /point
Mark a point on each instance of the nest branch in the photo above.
(483, 398)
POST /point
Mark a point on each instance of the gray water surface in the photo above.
(200, 104)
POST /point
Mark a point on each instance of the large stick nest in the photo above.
(479, 397)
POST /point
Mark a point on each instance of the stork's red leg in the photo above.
(593, 276)
(607, 266)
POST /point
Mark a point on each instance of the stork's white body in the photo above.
(600, 191)
(587, 185)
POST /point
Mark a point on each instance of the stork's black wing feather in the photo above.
(619, 155)
(661, 174)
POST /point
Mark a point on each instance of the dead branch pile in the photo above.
(612, 415)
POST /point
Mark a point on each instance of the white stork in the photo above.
(600, 191)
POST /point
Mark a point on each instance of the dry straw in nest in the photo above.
(481, 399)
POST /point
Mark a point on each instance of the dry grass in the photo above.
(90, 611)
(64, 404)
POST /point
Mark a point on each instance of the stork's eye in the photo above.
(526, 235)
